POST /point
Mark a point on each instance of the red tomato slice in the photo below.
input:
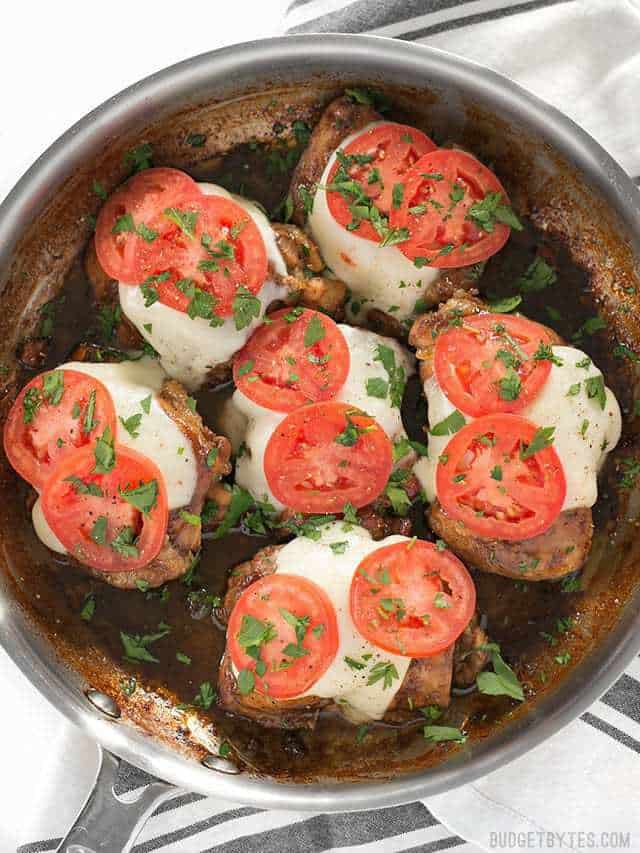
(222, 252)
(439, 191)
(322, 456)
(376, 160)
(94, 522)
(159, 230)
(411, 599)
(299, 357)
(487, 363)
(123, 253)
(483, 480)
(53, 415)
(284, 631)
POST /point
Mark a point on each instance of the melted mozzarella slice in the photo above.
(316, 561)
(44, 533)
(260, 423)
(584, 432)
(158, 436)
(379, 276)
(189, 349)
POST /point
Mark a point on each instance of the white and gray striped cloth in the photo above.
(577, 791)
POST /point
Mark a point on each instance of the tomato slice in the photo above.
(486, 479)
(94, 522)
(121, 247)
(439, 191)
(325, 455)
(377, 160)
(191, 251)
(284, 631)
(220, 252)
(53, 415)
(487, 363)
(299, 357)
(411, 599)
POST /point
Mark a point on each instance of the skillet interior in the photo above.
(598, 275)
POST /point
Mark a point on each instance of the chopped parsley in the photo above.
(140, 157)
(545, 353)
(143, 497)
(131, 424)
(506, 305)
(206, 696)
(82, 488)
(350, 434)
(509, 386)
(246, 307)
(542, 438)
(185, 220)
(53, 387)
(595, 389)
(442, 734)
(377, 387)
(123, 543)
(538, 276)
(486, 213)
(384, 671)
(246, 681)
(589, 327)
(452, 423)
(88, 607)
(503, 680)
(104, 453)
(397, 379)
(196, 140)
(314, 332)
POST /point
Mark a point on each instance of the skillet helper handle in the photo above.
(107, 824)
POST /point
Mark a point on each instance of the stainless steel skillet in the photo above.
(563, 177)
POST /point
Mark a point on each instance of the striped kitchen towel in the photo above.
(579, 789)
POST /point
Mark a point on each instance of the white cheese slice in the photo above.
(378, 276)
(260, 423)
(188, 348)
(584, 432)
(44, 533)
(316, 561)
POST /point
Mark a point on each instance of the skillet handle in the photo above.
(106, 824)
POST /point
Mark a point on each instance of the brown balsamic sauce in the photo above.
(518, 613)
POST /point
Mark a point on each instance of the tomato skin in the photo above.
(71, 516)
(411, 599)
(519, 500)
(264, 600)
(398, 155)
(122, 255)
(442, 235)
(32, 448)
(468, 369)
(277, 351)
(308, 471)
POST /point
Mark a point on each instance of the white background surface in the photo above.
(60, 60)
(57, 62)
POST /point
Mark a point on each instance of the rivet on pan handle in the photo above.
(103, 703)
(214, 762)
(106, 824)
